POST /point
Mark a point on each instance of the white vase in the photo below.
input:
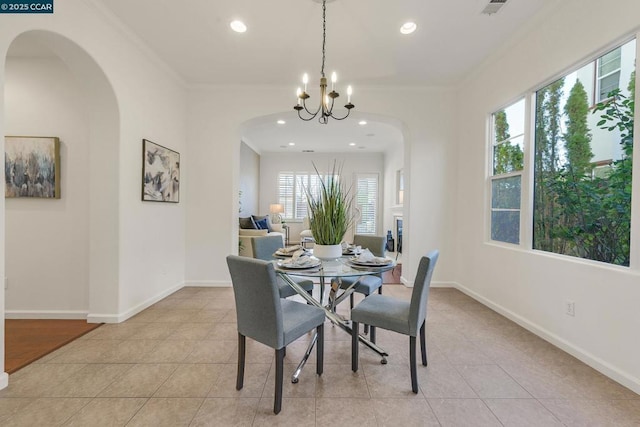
(327, 252)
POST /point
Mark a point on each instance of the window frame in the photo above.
(527, 184)
(298, 193)
(356, 177)
(492, 176)
(598, 96)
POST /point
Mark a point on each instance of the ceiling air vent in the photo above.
(308, 151)
(493, 6)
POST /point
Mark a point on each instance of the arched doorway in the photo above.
(265, 140)
(63, 254)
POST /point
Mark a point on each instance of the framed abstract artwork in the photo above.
(32, 167)
(160, 173)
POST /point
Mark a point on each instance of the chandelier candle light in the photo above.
(326, 99)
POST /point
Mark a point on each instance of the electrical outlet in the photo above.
(570, 308)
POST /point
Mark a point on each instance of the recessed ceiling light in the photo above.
(353, 144)
(408, 27)
(292, 143)
(362, 122)
(238, 26)
(281, 122)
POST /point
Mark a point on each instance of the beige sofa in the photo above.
(246, 237)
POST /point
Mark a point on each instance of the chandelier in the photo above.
(325, 110)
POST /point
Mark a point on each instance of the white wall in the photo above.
(137, 250)
(531, 286)
(272, 163)
(215, 117)
(249, 183)
(393, 162)
(47, 240)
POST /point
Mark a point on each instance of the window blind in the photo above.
(366, 203)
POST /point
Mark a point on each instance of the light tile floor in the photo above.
(175, 364)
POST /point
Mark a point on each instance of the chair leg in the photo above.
(423, 343)
(373, 329)
(366, 327)
(354, 346)
(241, 353)
(277, 401)
(412, 363)
(320, 350)
(351, 301)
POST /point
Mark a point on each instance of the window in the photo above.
(366, 203)
(292, 195)
(609, 67)
(507, 162)
(582, 165)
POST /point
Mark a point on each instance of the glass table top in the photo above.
(340, 267)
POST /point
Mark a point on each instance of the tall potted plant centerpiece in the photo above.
(329, 213)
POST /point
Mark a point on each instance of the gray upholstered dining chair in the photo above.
(263, 248)
(404, 317)
(367, 284)
(265, 317)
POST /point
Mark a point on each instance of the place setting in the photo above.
(289, 251)
(349, 249)
(299, 260)
(366, 259)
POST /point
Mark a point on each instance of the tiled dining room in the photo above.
(465, 127)
(174, 364)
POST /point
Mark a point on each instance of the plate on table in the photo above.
(285, 254)
(287, 264)
(355, 261)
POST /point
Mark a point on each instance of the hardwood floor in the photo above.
(27, 340)
(392, 276)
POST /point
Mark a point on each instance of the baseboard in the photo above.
(434, 284)
(45, 314)
(208, 284)
(118, 318)
(104, 318)
(4, 380)
(595, 362)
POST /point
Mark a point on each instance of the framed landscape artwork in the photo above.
(32, 167)
(160, 173)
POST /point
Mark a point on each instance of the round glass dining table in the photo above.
(334, 271)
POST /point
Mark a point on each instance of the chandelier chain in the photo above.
(324, 32)
(327, 95)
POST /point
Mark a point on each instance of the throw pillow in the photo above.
(263, 217)
(247, 223)
(262, 224)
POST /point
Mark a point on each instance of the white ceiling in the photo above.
(283, 41)
(264, 134)
(364, 44)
